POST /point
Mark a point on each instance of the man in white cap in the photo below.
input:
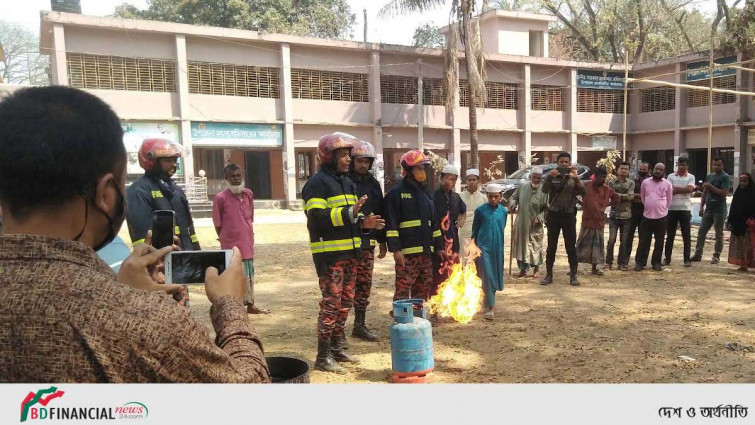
(487, 233)
(528, 227)
(449, 210)
(472, 198)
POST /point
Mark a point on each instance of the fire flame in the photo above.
(460, 296)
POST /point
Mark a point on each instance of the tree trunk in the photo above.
(468, 58)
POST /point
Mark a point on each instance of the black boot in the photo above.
(548, 279)
(344, 342)
(360, 328)
(573, 281)
(339, 352)
(325, 361)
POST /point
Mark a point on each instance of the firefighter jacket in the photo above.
(333, 234)
(368, 185)
(150, 193)
(411, 224)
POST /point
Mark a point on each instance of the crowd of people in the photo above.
(70, 318)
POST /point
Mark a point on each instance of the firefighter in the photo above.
(412, 229)
(334, 221)
(156, 190)
(362, 158)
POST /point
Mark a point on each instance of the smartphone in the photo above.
(190, 266)
(163, 228)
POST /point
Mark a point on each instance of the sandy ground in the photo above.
(623, 327)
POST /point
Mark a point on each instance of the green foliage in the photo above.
(740, 36)
(428, 35)
(316, 18)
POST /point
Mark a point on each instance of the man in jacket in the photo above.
(363, 157)
(334, 221)
(412, 229)
(156, 190)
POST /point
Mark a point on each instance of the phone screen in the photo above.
(190, 266)
(162, 228)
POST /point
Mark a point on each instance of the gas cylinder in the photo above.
(411, 343)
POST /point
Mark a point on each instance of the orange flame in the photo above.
(460, 296)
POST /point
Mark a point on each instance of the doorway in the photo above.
(258, 174)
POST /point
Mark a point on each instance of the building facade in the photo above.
(263, 100)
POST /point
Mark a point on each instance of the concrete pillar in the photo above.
(58, 57)
(572, 148)
(376, 116)
(182, 90)
(289, 155)
(526, 117)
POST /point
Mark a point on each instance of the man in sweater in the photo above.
(620, 218)
(656, 194)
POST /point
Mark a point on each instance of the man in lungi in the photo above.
(591, 244)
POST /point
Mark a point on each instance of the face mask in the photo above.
(114, 224)
(420, 175)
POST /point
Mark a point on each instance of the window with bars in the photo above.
(433, 92)
(656, 99)
(601, 101)
(398, 89)
(233, 80)
(329, 85)
(87, 71)
(499, 95)
(548, 98)
(700, 97)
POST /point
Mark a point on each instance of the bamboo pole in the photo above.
(626, 95)
(710, 103)
(691, 87)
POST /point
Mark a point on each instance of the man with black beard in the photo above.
(233, 216)
(656, 194)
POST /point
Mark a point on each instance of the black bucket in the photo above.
(288, 370)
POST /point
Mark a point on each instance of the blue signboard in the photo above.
(591, 79)
(697, 71)
(236, 135)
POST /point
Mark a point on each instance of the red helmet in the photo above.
(414, 157)
(329, 143)
(152, 149)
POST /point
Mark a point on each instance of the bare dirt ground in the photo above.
(623, 327)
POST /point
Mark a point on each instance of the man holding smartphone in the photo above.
(156, 190)
(334, 221)
(66, 316)
(233, 216)
(562, 185)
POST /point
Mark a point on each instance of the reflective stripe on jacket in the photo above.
(410, 223)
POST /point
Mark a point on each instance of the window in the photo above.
(499, 95)
(548, 98)
(398, 89)
(700, 97)
(303, 166)
(601, 101)
(329, 85)
(118, 73)
(536, 43)
(233, 80)
(433, 92)
(657, 99)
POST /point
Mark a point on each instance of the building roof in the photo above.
(49, 19)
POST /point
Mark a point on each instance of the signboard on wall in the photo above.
(697, 71)
(135, 132)
(220, 134)
(591, 79)
(603, 142)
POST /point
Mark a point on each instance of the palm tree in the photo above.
(467, 34)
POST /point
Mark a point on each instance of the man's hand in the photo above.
(373, 222)
(231, 282)
(701, 211)
(358, 206)
(553, 173)
(443, 255)
(399, 258)
(573, 171)
(707, 185)
(513, 209)
(383, 250)
(158, 270)
(138, 269)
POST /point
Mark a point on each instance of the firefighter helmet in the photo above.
(330, 142)
(414, 157)
(152, 149)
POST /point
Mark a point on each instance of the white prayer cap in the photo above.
(493, 188)
(450, 169)
(473, 172)
(537, 170)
